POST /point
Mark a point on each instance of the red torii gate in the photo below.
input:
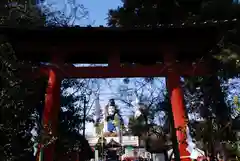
(167, 51)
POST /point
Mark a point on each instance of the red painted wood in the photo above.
(179, 113)
(51, 111)
(158, 70)
(180, 117)
(96, 43)
(114, 60)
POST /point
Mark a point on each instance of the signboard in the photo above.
(129, 148)
(129, 151)
(126, 140)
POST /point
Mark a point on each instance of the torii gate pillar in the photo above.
(177, 102)
(51, 112)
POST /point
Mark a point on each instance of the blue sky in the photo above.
(109, 88)
(97, 9)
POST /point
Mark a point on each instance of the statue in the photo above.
(112, 120)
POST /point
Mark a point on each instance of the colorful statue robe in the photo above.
(112, 120)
